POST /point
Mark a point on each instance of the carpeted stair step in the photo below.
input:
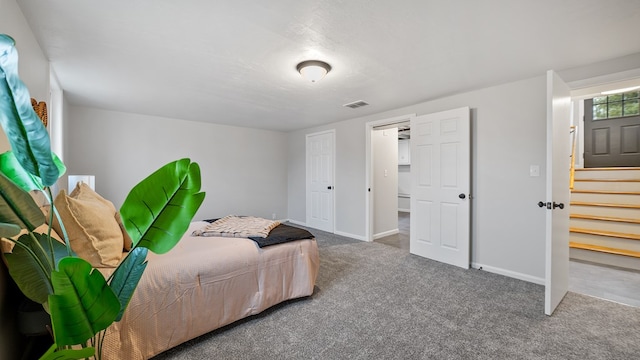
(604, 249)
(605, 209)
(604, 238)
(610, 180)
(605, 223)
(590, 203)
(612, 192)
(608, 173)
(604, 218)
(631, 185)
(605, 233)
(606, 196)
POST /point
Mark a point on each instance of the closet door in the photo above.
(320, 151)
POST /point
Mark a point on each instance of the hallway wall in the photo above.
(385, 182)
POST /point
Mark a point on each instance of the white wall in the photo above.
(385, 182)
(243, 170)
(350, 176)
(33, 69)
(508, 134)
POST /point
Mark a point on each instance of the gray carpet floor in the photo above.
(374, 301)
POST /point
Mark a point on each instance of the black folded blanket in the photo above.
(279, 234)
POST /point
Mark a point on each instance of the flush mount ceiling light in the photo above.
(313, 70)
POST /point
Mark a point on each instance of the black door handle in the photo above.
(560, 205)
(541, 204)
(462, 196)
(329, 187)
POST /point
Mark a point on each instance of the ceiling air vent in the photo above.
(356, 104)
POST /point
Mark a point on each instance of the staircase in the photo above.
(605, 216)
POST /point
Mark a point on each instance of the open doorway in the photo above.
(400, 192)
(440, 179)
(605, 198)
(388, 181)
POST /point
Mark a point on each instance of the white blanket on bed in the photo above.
(238, 226)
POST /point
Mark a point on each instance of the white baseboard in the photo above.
(385, 233)
(297, 222)
(509, 273)
(352, 236)
(357, 237)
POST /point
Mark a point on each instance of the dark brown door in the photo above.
(613, 142)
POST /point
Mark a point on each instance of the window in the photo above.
(617, 105)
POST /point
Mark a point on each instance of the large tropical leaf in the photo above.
(17, 208)
(82, 305)
(30, 273)
(158, 210)
(27, 135)
(10, 166)
(67, 354)
(127, 275)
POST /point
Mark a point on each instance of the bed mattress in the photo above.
(205, 283)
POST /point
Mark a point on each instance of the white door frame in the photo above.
(333, 175)
(369, 168)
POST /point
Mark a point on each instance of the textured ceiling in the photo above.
(233, 62)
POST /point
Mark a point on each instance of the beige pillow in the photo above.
(128, 243)
(94, 233)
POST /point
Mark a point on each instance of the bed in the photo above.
(221, 271)
(206, 282)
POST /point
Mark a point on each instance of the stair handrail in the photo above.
(572, 130)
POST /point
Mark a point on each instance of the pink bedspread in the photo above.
(204, 283)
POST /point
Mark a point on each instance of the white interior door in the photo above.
(320, 185)
(440, 186)
(558, 166)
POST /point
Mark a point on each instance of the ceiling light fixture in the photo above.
(620, 90)
(313, 70)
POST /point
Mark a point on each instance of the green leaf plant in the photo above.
(81, 302)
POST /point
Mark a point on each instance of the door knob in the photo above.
(461, 196)
(541, 204)
(560, 205)
(329, 187)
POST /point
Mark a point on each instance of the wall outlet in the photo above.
(273, 216)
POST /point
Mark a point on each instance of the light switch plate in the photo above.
(534, 170)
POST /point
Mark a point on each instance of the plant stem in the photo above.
(65, 236)
(100, 337)
(49, 196)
